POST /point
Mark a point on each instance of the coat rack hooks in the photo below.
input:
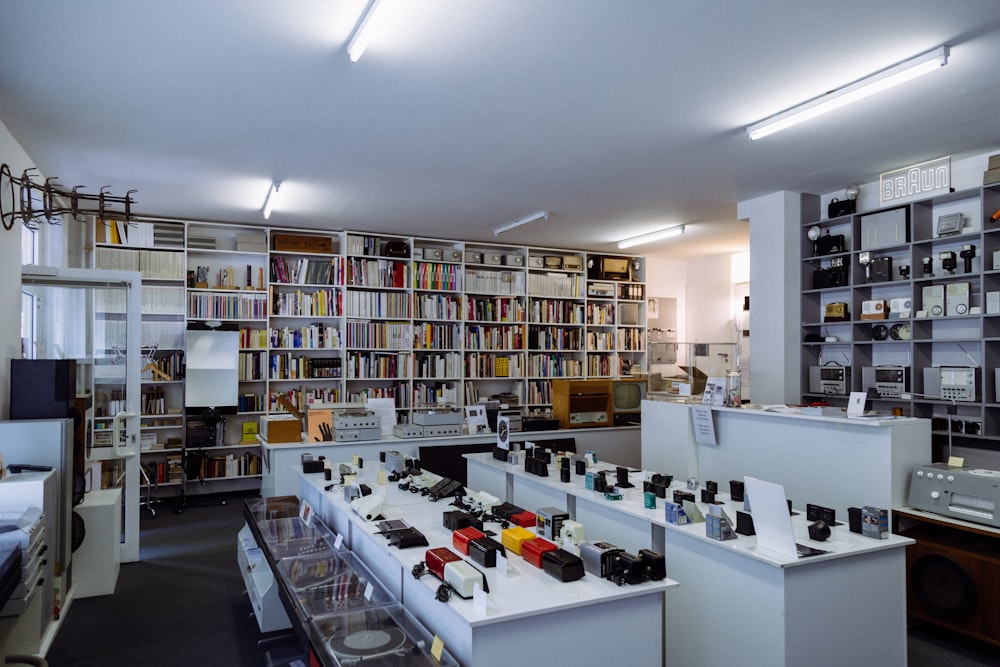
(31, 202)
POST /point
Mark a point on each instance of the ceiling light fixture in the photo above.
(359, 40)
(537, 215)
(870, 85)
(660, 235)
(272, 194)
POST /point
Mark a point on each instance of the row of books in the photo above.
(494, 309)
(230, 465)
(555, 284)
(437, 307)
(316, 336)
(377, 273)
(378, 304)
(480, 365)
(380, 335)
(554, 338)
(601, 314)
(303, 397)
(425, 394)
(438, 365)
(428, 275)
(236, 306)
(548, 311)
(494, 282)
(288, 367)
(554, 365)
(494, 337)
(376, 365)
(307, 271)
(398, 393)
(428, 336)
(318, 303)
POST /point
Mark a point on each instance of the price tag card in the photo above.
(437, 646)
(479, 599)
(502, 565)
(339, 541)
(305, 512)
(381, 477)
(369, 589)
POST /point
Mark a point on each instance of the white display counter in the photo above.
(831, 461)
(527, 613)
(621, 443)
(768, 609)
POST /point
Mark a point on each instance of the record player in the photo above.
(386, 636)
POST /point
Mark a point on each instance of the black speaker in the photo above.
(42, 388)
(953, 580)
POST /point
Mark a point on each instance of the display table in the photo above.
(279, 478)
(770, 609)
(528, 612)
(832, 461)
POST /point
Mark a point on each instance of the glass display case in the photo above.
(679, 371)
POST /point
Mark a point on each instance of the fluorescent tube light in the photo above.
(359, 40)
(272, 194)
(660, 235)
(876, 83)
(537, 215)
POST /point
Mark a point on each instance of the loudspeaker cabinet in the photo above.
(953, 579)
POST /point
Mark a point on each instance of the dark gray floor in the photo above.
(184, 604)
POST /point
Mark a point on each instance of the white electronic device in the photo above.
(408, 431)
(933, 300)
(993, 303)
(900, 308)
(950, 382)
(832, 380)
(369, 507)
(957, 298)
(593, 417)
(874, 309)
(536, 262)
(513, 260)
(463, 578)
(443, 429)
(972, 494)
(571, 532)
(888, 381)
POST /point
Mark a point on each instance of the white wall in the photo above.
(13, 155)
(667, 278)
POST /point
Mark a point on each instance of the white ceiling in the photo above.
(619, 117)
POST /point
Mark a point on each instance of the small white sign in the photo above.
(917, 181)
(856, 404)
(704, 425)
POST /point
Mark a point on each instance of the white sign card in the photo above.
(385, 408)
(475, 419)
(715, 391)
(704, 425)
(503, 432)
(856, 404)
(771, 519)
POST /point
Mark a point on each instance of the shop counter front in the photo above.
(527, 612)
(832, 461)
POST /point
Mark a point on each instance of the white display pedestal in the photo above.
(97, 562)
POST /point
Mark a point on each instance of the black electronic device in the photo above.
(627, 568)
(736, 490)
(829, 244)
(928, 264)
(562, 565)
(854, 519)
(820, 513)
(655, 564)
(457, 520)
(880, 332)
(707, 497)
(967, 253)
(406, 538)
(904, 271)
(484, 551)
(948, 261)
(681, 495)
(581, 467)
(712, 486)
(452, 488)
(839, 207)
(15, 468)
(881, 269)
(819, 530)
(506, 510)
(564, 475)
(621, 475)
(396, 248)
(744, 523)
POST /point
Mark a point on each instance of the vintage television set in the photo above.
(627, 395)
(604, 267)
